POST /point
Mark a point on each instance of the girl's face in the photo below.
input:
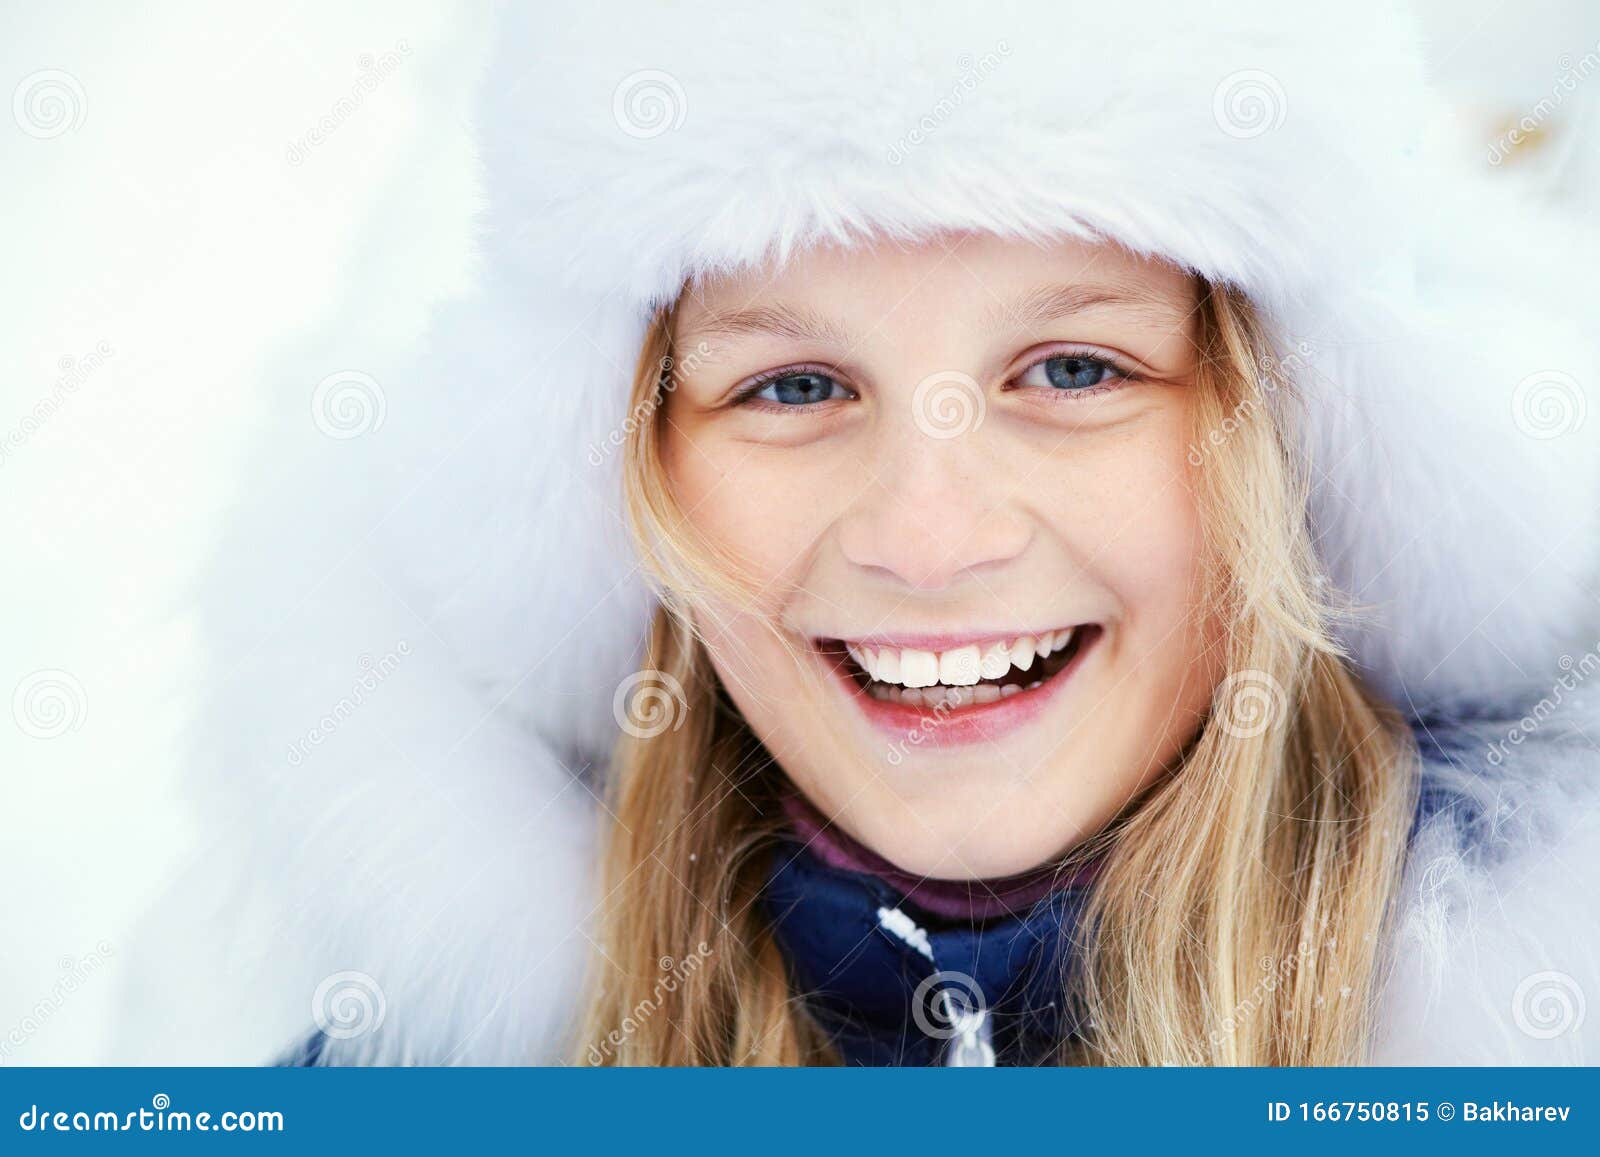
(958, 474)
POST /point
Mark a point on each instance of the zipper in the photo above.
(972, 1040)
(961, 1013)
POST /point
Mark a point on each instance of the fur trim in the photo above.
(1497, 952)
(436, 840)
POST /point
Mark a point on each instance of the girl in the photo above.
(1095, 567)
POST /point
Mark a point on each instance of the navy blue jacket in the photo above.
(844, 935)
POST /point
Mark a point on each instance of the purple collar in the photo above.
(974, 900)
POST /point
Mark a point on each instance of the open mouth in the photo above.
(959, 679)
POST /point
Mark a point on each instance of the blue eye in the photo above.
(800, 389)
(1070, 373)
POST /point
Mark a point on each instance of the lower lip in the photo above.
(978, 723)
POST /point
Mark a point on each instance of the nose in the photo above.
(934, 511)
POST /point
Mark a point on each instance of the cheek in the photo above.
(1127, 508)
(764, 509)
(1152, 559)
(772, 689)
(1127, 505)
(747, 658)
(763, 518)
(1170, 627)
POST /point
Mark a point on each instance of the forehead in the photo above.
(835, 294)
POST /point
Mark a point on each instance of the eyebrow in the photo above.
(1053, 302)
(1038, 308)
(777, 320)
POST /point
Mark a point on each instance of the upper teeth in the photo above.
(960, 667)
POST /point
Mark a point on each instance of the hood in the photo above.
(1427, 326)
(432, 846)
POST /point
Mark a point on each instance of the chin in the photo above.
(954, 837)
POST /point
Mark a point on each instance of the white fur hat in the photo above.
(629, 147)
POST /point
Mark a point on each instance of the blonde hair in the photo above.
(1278, 841)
